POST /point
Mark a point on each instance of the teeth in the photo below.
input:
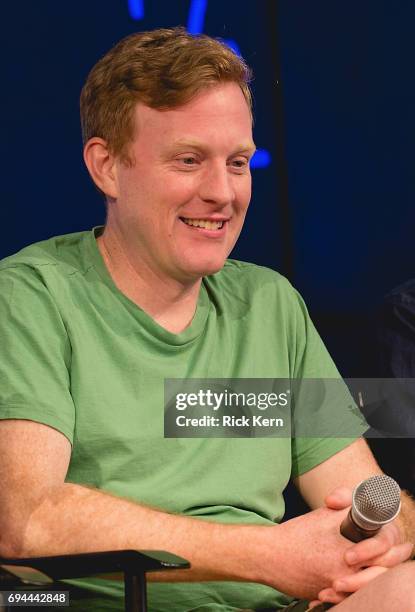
(210, 225)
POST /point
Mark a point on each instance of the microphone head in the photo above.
(376, 500)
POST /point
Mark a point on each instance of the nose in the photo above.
(217, 185)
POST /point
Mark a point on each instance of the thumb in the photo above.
(339, 498)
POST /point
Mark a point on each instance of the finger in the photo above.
(368, 549)
(396, 554)
(339, 498)
(329, 595)
(352, 583)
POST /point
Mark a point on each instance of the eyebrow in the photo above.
(245, 147)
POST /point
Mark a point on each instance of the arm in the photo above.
(391, 546)
(347, 469)
(40, 514)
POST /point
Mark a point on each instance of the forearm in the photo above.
(406, 519)
(80, 519)
(298, 557)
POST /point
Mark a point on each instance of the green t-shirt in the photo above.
(79, 356)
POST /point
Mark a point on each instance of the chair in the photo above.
(44, 572)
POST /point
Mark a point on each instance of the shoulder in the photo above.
(403, 294)
(59, 255)
(40, 277)
(252, 283)
(397, 311)
(243, 276)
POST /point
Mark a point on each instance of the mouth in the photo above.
(206, 224)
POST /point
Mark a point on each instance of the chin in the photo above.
(208, 269)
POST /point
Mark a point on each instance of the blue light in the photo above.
(261, 159)
(233, 45)
(196, 17)
(136, 8)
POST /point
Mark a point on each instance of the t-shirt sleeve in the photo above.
(35, 353)
(327, 418)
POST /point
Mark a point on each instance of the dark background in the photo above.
(334, 106)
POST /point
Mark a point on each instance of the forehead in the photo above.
(217, 114)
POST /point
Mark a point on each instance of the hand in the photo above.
(369, 558)
(306, 553)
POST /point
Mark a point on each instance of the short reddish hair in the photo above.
(163, 69)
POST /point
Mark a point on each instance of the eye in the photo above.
(188, 160)
(240, 163)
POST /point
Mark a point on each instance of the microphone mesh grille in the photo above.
(378, 498)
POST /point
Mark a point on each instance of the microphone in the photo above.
(376, 502)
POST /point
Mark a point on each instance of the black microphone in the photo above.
(376, 502)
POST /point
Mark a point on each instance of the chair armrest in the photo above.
(134, 564)
(86, 564)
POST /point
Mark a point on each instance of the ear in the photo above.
(101, 166)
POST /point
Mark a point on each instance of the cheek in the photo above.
(243, 188)
(177, 190)
(244, 197)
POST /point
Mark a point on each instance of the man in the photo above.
(396, 351)
(92, 323)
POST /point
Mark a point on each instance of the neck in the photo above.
(170, 303)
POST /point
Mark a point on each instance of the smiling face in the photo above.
(180, 208)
